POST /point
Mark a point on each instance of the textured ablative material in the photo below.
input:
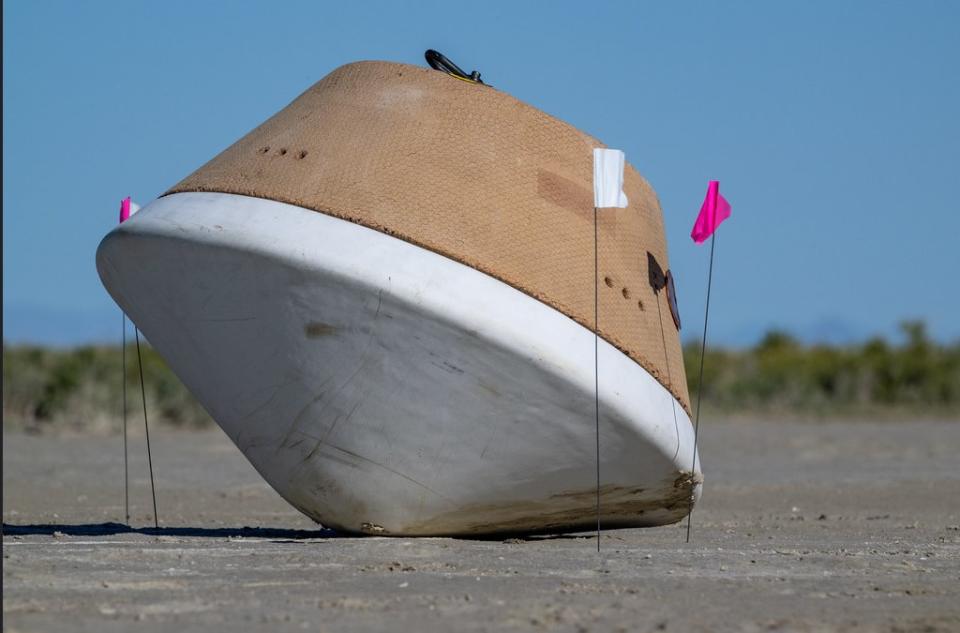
(474, 174)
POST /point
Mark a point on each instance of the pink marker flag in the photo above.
(127, 208)
(124, 209)
(715, 210)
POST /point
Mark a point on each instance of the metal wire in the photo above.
(596, 357)
(703, 350)
(143, 395)
(126, 466)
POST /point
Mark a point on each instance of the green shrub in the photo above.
(81, 389)
(779, 375)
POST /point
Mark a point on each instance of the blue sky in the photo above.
(833, 128)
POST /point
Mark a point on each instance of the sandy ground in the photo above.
(838, 526)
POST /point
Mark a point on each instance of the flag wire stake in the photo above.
(596, 357)
(666, 361)
(126, 468)
(143, 396)
(703, 350)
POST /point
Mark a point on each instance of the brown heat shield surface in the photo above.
(471, 173)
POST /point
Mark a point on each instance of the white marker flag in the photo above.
(608, 178)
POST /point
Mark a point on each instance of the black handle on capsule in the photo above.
(439, 62)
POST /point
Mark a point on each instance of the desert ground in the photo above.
(803, 526)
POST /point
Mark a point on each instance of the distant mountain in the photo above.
(831, 330)
(59, 327)
(62, 327)
(824, 331)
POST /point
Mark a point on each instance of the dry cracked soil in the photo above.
(819, 526)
